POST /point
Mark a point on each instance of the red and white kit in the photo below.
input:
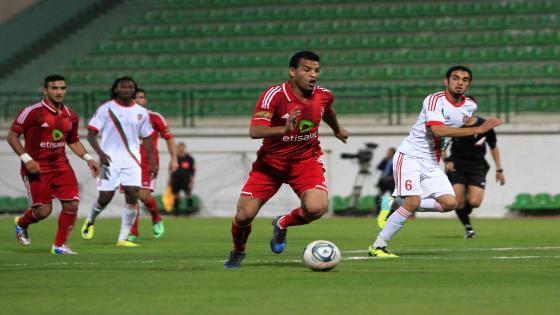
(416, 163)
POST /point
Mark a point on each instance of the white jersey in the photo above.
(121, 128)
(437, 109)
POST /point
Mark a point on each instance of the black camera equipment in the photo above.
(364, 157)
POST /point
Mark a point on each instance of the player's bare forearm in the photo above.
(78, 148)
(173, 164)
(331, 120)
(495, 152)
(147, 142)
(262, 131)
(13, 141)
(93, 142)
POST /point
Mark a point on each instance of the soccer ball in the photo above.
(321, 255)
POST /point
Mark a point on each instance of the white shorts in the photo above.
(130, 176)
(415, 176)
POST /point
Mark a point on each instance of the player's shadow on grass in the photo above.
(450, 237)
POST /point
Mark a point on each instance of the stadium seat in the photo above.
(522, 201)
(543, 201)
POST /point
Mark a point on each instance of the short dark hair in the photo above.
(460, 68)
(305, 54)
(117, 81)
(52, 78)
(139, 90)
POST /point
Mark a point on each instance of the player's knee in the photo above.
(144, 196)
(474, 203)
(411, 204)
(315, 210)
(449, 204)
(460, 204)
(70, 207)
(42, 211)
(245, 214)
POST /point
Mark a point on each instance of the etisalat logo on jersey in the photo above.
(57, 135)
(304, 127)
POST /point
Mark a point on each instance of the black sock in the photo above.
(463, 215)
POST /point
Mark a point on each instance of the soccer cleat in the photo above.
(22, 235)
(87, 230)
(126, 243)
(133, 238)
(278, 241)
(234, 260)
(380, 252)
(158, 229)
(62, 250)
(470, 234)
(385, 211)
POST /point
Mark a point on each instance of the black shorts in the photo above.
(469, 175)
(176, 187)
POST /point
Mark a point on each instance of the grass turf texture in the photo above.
(511, 268)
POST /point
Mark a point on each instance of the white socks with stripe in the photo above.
(127, 219)
(430, 205)
(393, 225)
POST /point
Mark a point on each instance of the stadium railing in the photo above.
(393, 102)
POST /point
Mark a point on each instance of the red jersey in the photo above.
(160, 128)
(46, 131)
(273, 108)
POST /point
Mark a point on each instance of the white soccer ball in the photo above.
(321, 255)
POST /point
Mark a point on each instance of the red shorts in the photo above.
(266, 178)
(148, 182)
(61, 185)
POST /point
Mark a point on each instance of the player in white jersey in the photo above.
(122, 123)
(419, 180)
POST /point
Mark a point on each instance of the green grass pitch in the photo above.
(513, 267)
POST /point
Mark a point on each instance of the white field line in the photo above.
(158, 261)
(462, 249)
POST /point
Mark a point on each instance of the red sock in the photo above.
(27, 218)
(151, 206)
(240, 236)
(295, 217)
(134, 227)
(66, 222)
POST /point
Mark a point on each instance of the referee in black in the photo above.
(466, 169)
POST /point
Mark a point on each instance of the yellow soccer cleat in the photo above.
(87, 230)
(385, 211)
(380, 252)
(126, 243)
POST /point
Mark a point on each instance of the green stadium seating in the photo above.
(522, 201)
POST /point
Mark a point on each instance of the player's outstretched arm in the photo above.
(78, 149)
(340, 132)
(31, 165)
(446, 131)
(262, 131)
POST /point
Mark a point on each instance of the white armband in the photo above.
(25, 158)
(87, 157)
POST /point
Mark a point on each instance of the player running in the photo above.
(287, 118)
(121, 123)
(47, 127)
(419, 180)
(148, 182)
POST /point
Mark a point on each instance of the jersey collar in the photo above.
(289, 94)
(455, 104)
(123, 104)
(53, 109)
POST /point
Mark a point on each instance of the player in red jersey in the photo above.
(287, 118)
(148, 182)
(47, 127)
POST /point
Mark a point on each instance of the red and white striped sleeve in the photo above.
(434, 109)
(265, 106)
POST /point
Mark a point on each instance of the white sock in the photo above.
(430, 205)
(393, 225)
(127, 220)
(96, 210)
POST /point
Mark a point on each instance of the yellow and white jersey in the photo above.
(121, 127)
(437, 109)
